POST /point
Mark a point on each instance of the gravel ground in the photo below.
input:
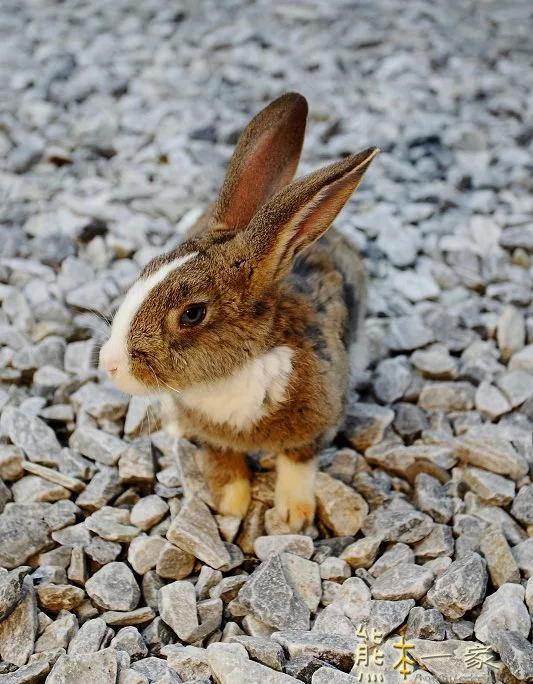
(117, 120)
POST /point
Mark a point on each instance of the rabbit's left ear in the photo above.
(264, 161)
(302, 212)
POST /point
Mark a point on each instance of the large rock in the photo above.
(18, 631)
(194, 530)
(114, 587)
(32, 435)
(101, 667)
(461, 587)
(516, 652)
(230, 665)
(403, 582)
(340, 508)
(503, 610)
(272, 597)
(21, 536)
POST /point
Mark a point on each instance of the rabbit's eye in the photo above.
(193, 314)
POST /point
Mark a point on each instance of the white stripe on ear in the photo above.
(133, 301)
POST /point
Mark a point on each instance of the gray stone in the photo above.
(335, 569)
(523, 555)
(403, 582)
(425, 624)
(97, 445)
(191, 662)
(503, 610)
(21, 536)
(387, 616)
(103, 487)
(490, 401)
(517, 385)
(101, 667)
(461, 587)
(114, 587)
(174, 563)
(408, 333)
(450, 396)
(516, 652)
(230, 665)
(486, 448)
(33, 488)
(148, 511)
(73, 535)
(500, 561)
(398, 524)
(392, 380)
(177, 606)
(522, 508)
(144, 551)
(102, 551)
(430, 497)
(339, 507)
(361, 554)
(156, 670)
(89, 638)
(435, 362)
(194, 530)
(11, 590)
(489, 487)
(438, 544)
(112, 524)
(299, 544)
(397, 554)
(18, 630)
(511, 332)
(138, 616)
(59, 633)
(304, 667)
(366, 425)
(136, 464)
(129, 639)
(61, 514)
(325, 675)
(101, 401)
(263, 650)
(271, 597)
(334, 649)
(32, 435)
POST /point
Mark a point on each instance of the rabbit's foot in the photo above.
(234, 498)
(295, 492)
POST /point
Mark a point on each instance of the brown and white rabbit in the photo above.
(245, 329)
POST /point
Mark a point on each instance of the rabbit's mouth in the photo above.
(117, 362)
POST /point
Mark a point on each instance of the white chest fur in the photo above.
(239, 400)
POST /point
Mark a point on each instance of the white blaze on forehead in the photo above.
(134, 299)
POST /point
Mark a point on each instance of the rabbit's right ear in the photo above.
(264, 161)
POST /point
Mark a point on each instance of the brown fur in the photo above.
(257, 301)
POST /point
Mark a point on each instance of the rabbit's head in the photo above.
(198, 313)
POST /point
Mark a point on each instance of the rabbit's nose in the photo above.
(109, 359)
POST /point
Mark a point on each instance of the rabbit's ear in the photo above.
(302, 212)
(264, 161)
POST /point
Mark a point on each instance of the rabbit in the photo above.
(245, 328)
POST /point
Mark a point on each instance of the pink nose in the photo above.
(109, 359)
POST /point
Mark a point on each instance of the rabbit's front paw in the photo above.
(234, 498)
(295, 492)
